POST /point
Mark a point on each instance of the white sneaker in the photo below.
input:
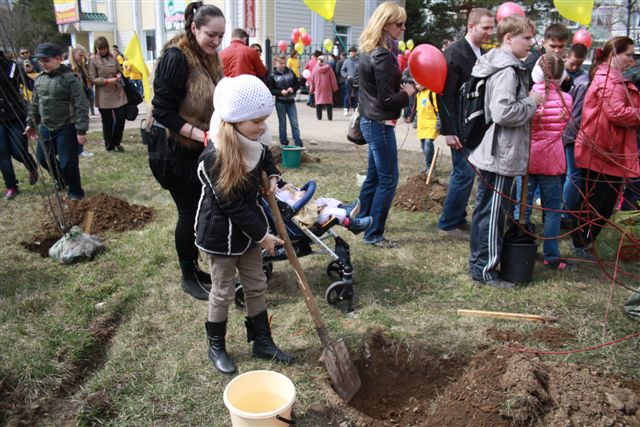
(346, 111)
(86, 154)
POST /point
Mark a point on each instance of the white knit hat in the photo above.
(242, 98)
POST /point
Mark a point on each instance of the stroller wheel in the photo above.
(239, 298)
(334, 270)
(334, 296)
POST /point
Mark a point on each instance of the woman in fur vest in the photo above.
(185, 78)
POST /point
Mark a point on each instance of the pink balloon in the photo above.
(509, 9)
(306, 73)
(283, 45)
(295, 38)
(583, 36)
(407, 54)
(295, 33)
(428, 67)
(306, 39)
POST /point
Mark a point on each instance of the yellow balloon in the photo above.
(402, 46)
(410, 44)
(302, 30)
(328, 45)
(324, 8)
(575, 10)
(299, 47)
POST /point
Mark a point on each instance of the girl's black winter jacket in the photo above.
(230, 226)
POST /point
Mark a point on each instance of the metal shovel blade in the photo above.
(341, 369)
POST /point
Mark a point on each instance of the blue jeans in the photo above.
(427, 149)
(285, 109)
(380, 184)
(551, 197)
(454, 211)
(13, 144)
(572, 184)
(58, 153)
(349, 97)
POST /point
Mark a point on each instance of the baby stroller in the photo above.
(340, 293)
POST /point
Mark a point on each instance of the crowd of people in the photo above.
(573, 133)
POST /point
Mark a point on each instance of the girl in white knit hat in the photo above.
(231, 226)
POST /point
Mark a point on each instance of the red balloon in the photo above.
(428, 67)
(306, 39)
(283, 45)
(583, 36)
(509, 9)
(402, 62)
(295, 35)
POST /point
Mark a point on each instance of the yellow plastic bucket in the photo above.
(260, 399)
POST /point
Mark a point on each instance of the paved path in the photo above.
(312, 130)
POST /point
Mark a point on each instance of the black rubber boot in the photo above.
(190, 282)
(216, 331)
(259, 332)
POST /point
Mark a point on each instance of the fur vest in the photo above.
(196, 106)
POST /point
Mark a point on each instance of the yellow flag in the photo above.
(133, 53)
(324, 8)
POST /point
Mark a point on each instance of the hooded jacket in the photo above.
(504, 149)
(607, 142)
(323, 83)
(547, 150)
(230, 226)
(59, 100)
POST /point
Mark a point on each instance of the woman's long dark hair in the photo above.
(614, 46)
(200, 14)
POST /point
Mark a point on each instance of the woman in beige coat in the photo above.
(105, 73)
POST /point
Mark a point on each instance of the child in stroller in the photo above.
(310, 224)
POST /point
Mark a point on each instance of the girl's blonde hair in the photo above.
(72, 59)
(374, 35)
(232, 176)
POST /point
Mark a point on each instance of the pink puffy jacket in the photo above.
(607, 141)
(547, 150)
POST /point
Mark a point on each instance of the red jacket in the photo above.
(323, 83)
(238, 58)
(607, 142)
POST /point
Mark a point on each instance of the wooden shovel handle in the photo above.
(295, 263)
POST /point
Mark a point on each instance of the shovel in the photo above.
(335, 355)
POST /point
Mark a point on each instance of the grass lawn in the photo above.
(140, 359)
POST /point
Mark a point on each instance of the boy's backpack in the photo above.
(473, 124)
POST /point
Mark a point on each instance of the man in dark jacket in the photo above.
(461, 57)
(238, 58)
(555, 39)
(283, 84)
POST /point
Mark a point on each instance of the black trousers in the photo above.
(329, 111)
(487, 225)
(601, 193)
(186, 200)
(113, 126)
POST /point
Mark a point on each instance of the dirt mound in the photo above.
(552, 336)
(416, 196)
(109, 213)
(412, 385)
(501, 388)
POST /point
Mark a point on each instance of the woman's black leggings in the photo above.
(329, 111)
(113, 126)
(186, 200)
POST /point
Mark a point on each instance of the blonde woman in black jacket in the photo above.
(381, 99)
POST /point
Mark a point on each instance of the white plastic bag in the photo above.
(76, 246)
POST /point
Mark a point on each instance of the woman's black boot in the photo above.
(190, 282)
(216, 332)
(259, 332)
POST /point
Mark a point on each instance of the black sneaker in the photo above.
(119, 148)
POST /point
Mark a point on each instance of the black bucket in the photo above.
(517, 262)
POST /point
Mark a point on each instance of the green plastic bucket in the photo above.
(291, 156)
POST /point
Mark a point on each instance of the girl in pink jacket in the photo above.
(322, 84)
(547, 161)
(606, 147)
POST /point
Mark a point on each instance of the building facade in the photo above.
(156, 21)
